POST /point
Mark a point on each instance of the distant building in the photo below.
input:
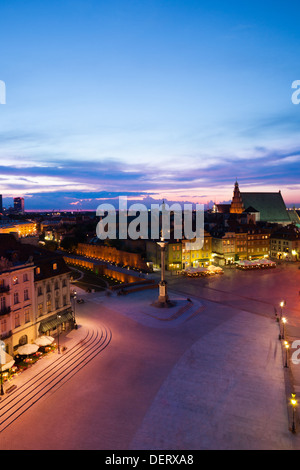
(1, 204)
(262, 206)
(112, 255)
(244, 242)
(22, 228)
(19, 205)
(285, 244)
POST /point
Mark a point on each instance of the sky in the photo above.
(151, 99)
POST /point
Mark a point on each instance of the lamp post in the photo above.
(58, 346)
(281, 307)
(286, 345)
(75, 297)
(283, 323)
(2, 355)
(294, 404)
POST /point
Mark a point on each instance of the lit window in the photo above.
(17, 320)
(27, 316)
(54, 266)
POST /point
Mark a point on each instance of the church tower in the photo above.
(237, 206)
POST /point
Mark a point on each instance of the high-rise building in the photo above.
(19, 205)
(1, 207)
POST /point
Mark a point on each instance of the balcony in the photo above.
(4, 289)
(5, 310)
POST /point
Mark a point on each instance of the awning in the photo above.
(53, 322)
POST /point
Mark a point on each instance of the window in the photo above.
(40, 309)
(40, 290)
(27, 315)
(54, 266)
(3, 325)
(65, 300)
(17, 320)
(48, 306)
(23, 340)
(2, 303)
(25, 277)
(38, 271)
(26, 295)
(15, 280)
(16, 298)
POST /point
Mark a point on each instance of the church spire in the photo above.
(237, 206)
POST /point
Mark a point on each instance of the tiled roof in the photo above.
(17, 253)
(294, 217)
(270, 205)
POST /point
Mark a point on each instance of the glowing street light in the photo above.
(282, 303)
(283, 323)
(286, 345)
(294, 404)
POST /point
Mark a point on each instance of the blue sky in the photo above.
(152, 99)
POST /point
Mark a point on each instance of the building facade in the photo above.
(17, 304)
(34, 293)
(250, 242)
(285, 244)
(52, 296)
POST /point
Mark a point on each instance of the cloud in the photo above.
(62, 183)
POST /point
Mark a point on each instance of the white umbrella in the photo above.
(27, 349)
(44, 340)
(6, 361)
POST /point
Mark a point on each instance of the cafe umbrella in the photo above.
(44, 341)
(27, 349)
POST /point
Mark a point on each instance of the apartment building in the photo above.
(34, 293)
(17, 303)
(285, 243)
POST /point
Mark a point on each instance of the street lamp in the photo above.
(2, 355)
(294, 404)
(58, 346)
(281, 307)
(286, 345)
(75, 296)
(283, 323)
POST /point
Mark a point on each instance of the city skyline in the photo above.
(150, 100)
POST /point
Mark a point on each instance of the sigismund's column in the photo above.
(163, 291)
